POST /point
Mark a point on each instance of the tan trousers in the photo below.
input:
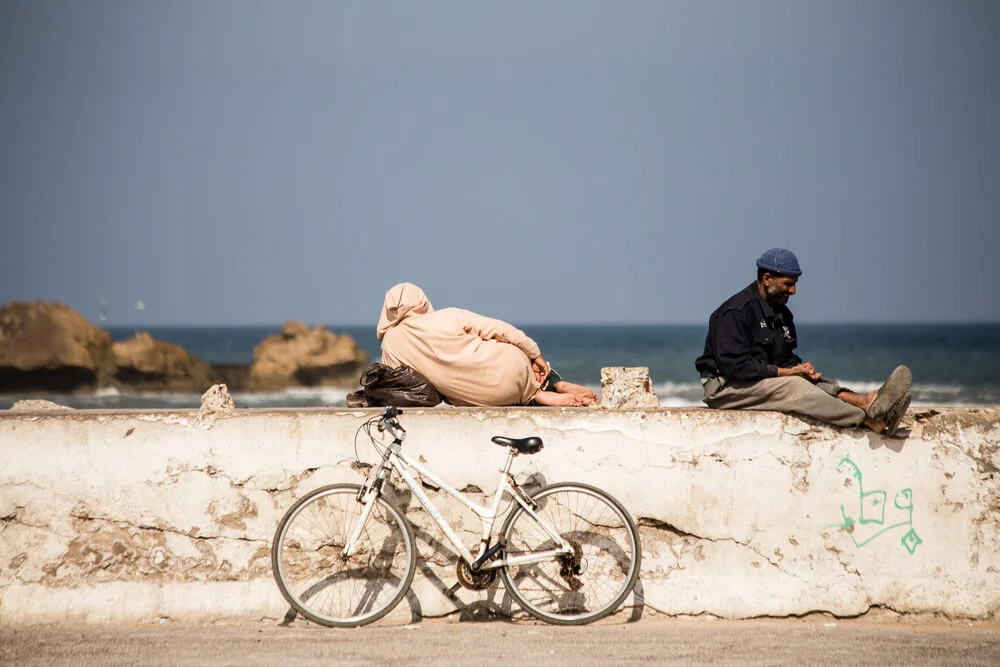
(786, 394)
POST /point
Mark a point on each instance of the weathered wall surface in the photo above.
(136, 516)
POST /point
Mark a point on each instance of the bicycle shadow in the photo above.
(498, 606)
(488, 610)
(410, 599)
(475, 611)
(491, 609)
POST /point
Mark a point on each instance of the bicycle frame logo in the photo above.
(871, 512)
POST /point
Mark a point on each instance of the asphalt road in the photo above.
(651, 641)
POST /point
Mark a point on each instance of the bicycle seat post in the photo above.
(511, 453)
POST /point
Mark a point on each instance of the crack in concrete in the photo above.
(161, 529)
(658, 524)
(13, 515)
(730, 443)
(777, 566)
(826, 613)
(12, 518)
(729, 462)
(17, 518)
(849, 571)
(173, 476)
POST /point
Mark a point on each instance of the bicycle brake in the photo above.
(521, 492)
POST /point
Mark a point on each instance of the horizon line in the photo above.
(329, 324)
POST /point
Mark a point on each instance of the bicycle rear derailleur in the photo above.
(571, 567)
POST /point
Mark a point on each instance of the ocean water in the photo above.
(951, 364)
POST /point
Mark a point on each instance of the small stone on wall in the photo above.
(217, 400)
(627, 387)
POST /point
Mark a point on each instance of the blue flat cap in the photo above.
(779, 260)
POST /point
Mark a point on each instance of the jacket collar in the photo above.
(765, 307)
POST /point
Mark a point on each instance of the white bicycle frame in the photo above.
(396, 460)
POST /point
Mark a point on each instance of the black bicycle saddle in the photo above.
(530, 445)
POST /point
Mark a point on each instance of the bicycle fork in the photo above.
(366, 496)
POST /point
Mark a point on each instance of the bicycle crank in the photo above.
(475, 581)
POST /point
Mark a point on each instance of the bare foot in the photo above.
(869, 399)
(863, 401)
(876, 425)
(553, 399)
(586, 396)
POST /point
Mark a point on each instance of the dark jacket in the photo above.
(748, 340)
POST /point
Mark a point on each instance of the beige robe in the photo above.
(470, 359)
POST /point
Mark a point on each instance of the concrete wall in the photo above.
(142, 515)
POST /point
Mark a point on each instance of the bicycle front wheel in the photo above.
(312, 573)
(593, 581)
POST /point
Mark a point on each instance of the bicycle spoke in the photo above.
(591, 582)
(319, 581)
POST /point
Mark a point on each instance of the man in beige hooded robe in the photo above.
(470, 359)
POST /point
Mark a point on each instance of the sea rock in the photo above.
(300, 356)
(37, 405)
(627, 387)
(143, 362)
(48, 346)
(236, 377)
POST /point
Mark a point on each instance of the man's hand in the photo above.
(805, 369)
(540, 368)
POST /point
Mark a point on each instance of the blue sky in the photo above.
(236, 162)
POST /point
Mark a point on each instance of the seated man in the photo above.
(749, 362)
(470, 359)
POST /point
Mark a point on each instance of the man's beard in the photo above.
(775, 296)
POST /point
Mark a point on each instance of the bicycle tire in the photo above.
(314, 577)
(607, 558)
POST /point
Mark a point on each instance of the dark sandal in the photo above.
(895, 416)
(891, 392)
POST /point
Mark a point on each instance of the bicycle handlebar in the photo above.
(388, 421)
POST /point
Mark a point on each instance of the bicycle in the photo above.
(345, 556)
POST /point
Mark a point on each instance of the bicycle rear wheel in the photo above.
(593, 582)
(309, 567)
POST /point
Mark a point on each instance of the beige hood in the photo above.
(470, 359)
(402, 301)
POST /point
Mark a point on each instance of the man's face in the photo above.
(779, 288)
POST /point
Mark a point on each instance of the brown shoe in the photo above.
(895, 416)
(892, 391)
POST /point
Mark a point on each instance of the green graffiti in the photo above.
(872, 508)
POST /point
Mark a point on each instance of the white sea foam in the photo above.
(670, 394)
(675, 388)
(676, 402)
(688, 394)
(309, 396)
(678, 394)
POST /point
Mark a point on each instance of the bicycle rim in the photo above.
(319, 582)
(596, 579)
